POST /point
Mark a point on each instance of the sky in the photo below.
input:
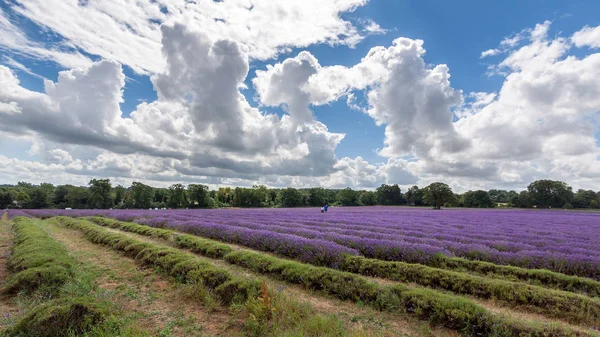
(301, 93)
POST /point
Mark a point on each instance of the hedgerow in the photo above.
(38, 262)
(559, 304)
(449, 310)
(186, 268)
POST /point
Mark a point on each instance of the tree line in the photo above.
(100, 194)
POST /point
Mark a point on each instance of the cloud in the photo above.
(542, 122)
(373, 27)
(129, 32)
(9, 61)
(490, 52)
(200, 121)
(15, 41)
(587, 36)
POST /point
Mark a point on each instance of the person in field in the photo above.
(324, 208)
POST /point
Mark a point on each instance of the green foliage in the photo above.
(348, 197)
(77, 197)
(367, 198)
(100, 193)
(119, 194)
(586, 199)
(6, 198)
(389, 195)
(177, 197)
(414, 196)
(38, 262)
(477, 199)
(23, 199)
(552, 303)
(198, 195)
(141, 195)
(501, 196)
(437, 194)
(62, 317)
(291, 197)
(550, 193)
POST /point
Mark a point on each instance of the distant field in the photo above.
(454, 271)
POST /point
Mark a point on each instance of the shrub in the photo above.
(61, 317)
(38, 262)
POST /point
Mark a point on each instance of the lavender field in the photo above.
(561, 241)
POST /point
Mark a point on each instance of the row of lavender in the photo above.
(567, 242)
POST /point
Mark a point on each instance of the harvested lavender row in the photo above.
(567, 242)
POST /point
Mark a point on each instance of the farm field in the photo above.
(368, 271)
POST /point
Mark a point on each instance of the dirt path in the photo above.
(361, 317)
(8, 307)
(163, 308)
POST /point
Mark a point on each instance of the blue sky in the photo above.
(454, 34)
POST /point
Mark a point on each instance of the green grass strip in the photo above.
(39, 263)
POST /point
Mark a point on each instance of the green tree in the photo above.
(6, 199)
(521, 200)
(477, 199)
(414, 196)
(367, 198)
(584, 199)
(39, 198)
(225, 196)
(437, 194)
(77, 197)
(291, 197)
(348, 197)
(23, 200)
(100, 193)
(198, 195)
(550, 193)
(389, 195)
(142, 195)
(177, 197)
(317, 196)
(60, 194)
(119, 194)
